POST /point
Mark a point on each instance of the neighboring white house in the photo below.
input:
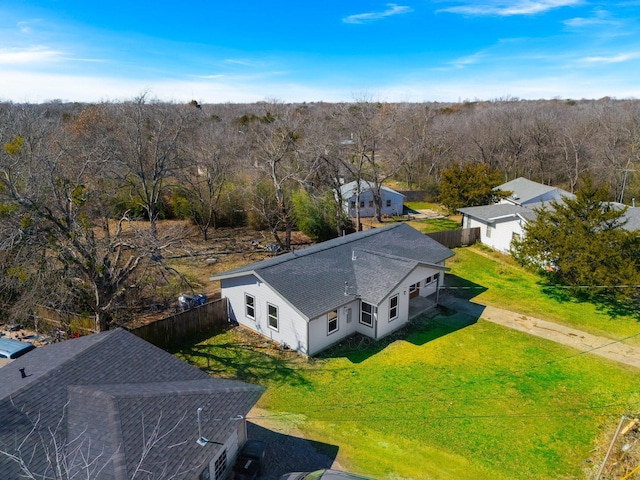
(528, 193)
(503, 222)
(499, 224)
(365, 282)
(392, 201)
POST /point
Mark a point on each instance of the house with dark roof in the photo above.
(113, 406)
(392, 202)
(503, 222)
(369, 282)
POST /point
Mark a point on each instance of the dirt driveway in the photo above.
(615, 350)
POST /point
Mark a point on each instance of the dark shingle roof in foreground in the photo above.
(369, 264)
(117, 388)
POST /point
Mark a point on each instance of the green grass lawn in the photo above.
(450, 400)
(495, 279)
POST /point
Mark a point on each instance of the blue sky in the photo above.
(334, 50)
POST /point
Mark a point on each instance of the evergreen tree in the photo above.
(582, 242)
(469, 186)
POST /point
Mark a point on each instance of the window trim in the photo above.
(247, 306)
(370, 314)
(270, 317)
(332, 319)
(395, 307)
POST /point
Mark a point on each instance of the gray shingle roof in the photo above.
(313, 280)
(525, 190)
(632, 216)
(490, 213)
(347, 190)
(109, 385)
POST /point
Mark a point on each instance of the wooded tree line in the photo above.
(74, 176)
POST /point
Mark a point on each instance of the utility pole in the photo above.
(625, 171)
(606, 457)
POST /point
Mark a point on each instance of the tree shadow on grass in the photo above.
(286, 453)
(461, 287)
(429, 326)
(246, 357)
(607, 304)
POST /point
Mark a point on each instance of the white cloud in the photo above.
(606, 60)
(505, 9)
(600, 17)
(367, 17)
(30, 55)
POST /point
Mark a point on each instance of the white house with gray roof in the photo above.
(392, 201)
(367, 282)
(528, 193)
(503, 222)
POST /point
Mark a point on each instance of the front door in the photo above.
(414, 290)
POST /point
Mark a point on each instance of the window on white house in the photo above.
(393, 307)
(273, 316)
(515, 236)
(221, 465)
(367, 312)
(250, 306)
(332, 322)
(488, 231)
(388, 203)
(413, 288)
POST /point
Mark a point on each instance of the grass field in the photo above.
(495, 279)
(451, 399)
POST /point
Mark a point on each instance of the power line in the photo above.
(400, 400)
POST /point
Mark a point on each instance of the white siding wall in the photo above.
(320, 339)
(367, 211)
(292, 328)
(386, 326)
(501, 231)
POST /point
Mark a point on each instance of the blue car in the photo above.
(11, 349)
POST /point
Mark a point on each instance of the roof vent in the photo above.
(353, 255)
(22, 373)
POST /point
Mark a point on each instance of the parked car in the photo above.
(250, 462)
(323, 475)
(11, 349)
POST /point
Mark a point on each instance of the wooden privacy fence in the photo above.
(457, 238)
(170, 331)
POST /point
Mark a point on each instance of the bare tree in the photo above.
(211, 159)
(150, 149)
(276, 135)
(48, 453)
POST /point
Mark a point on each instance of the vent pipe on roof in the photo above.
(22, 373)
(353, 255)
